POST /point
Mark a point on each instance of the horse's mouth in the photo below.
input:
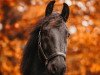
(57, 66)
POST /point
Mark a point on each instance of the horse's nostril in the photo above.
(64, 69)
(54, 69)
(58, 69)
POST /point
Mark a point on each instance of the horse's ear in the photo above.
(65, 12)
(49, 8)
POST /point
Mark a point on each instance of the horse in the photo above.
(45, 51)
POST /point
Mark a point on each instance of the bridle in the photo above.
(47, 59)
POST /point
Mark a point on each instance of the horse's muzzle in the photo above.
(57, 66)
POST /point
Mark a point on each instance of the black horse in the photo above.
(45, 52)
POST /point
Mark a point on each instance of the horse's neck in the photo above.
(37, 66)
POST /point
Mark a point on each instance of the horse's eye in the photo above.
(68, 34)
(44, 32)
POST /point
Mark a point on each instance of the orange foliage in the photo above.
(83, 55)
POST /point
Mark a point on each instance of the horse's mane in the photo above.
(30, 50)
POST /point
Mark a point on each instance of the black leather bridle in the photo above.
(47, 59)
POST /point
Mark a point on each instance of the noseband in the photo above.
(47, 59)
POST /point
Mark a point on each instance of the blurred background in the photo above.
(18, 17)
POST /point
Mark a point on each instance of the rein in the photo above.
(47, 59)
